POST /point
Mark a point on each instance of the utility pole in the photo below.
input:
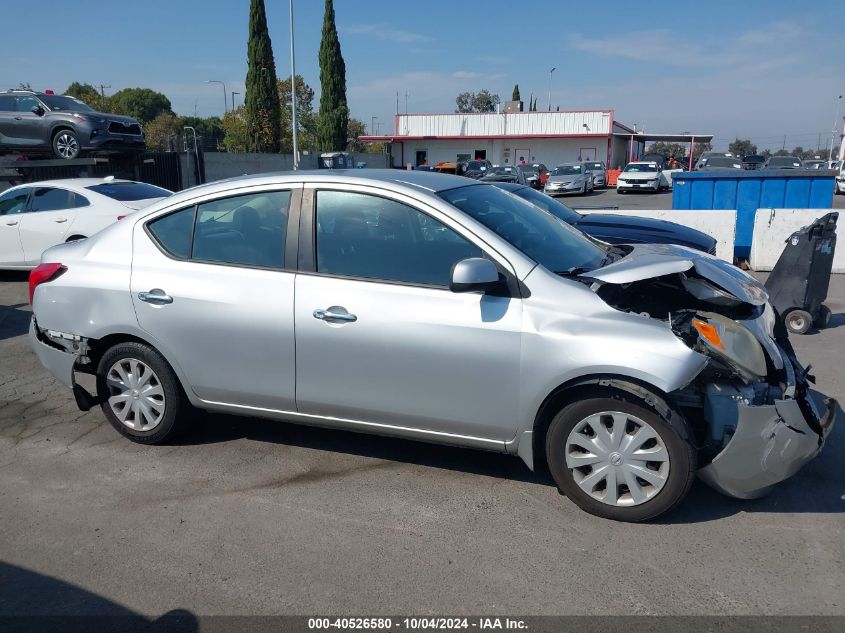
(397, 102)
(406, 102)
(293, 93)
(836, 124)
(233, 98)
(103, 90)
(373, 124)
(550, 88)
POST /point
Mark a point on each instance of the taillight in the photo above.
(42, 274)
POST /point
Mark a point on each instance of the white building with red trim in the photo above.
(509, 137)
(503, 138)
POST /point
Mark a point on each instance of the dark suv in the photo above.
(39, 122)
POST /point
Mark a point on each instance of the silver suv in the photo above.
(435, 308)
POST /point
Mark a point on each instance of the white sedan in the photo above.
(38, 215)
(639, 176)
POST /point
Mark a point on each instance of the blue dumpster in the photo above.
(747, 191)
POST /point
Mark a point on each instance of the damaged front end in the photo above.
(754, 419)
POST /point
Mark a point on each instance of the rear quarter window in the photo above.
(173, 232)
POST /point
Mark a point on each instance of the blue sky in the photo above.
(754, 68)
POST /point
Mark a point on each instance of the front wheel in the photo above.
(66, 145)
(140, 394)
(619, 460)
(799, 321)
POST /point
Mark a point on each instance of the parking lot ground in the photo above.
(247, 516)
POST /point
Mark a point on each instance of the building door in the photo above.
(587, 154)
(521, 156)
(421, 157)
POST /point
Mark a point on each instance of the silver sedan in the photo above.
(435, 308)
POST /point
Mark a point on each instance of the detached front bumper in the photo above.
(771, 443)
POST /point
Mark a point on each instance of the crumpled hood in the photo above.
(647, 261)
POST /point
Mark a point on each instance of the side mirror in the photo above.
(474, 274)
(37, 110)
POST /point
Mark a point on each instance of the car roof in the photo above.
(73, 183)
(429, 181)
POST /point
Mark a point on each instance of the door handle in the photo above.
(14, 223)
(60, 220)
(156, 296)
(334, 314)
(18, 118)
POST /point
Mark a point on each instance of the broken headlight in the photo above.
(731, 342)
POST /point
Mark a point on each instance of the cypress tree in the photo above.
(334, 113)
(262, 99)
(515, 96)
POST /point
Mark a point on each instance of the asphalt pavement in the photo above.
(248, 516)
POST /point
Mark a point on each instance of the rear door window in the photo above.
(7, 103)
(54, 199)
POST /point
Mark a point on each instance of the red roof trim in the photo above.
(476, 138)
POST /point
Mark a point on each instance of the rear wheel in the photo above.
(617, 459)
(798, 321)
(66, 145)
(141, 395)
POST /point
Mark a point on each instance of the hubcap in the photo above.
(617, 458)
(797, 322)
(137, 397)
(67, 146)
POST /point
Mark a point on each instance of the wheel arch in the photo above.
(531, 444)
(99, 346)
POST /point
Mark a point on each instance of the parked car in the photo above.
(753, 161)
(702, 160)
(505, 173)
(424, 168)
(714, 163)
(639, 176)
(599, 173)
(431, 307)
(38, 215)
(475, 168)
(840, 178)
(536, 174)
(569, 178)
(816, 164)
(617, 229)
(42, 122)
(784, 162)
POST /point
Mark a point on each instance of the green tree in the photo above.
(355, 129)
(515, 96)
(262, 97)
(742, 147)
(88, 94)
(158, 131)
(139, 103)
(333, 122)
(236, 136)
(677, 150)
(482, 101)
(209, 128)
(306, 120)
(782, 152)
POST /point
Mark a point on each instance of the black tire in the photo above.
(798, 321)
(66, 145)
(824, 316)
(177, 409)
(682, 458)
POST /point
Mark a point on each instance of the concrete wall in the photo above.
(719, 224)
(772, 227)
(220, 165)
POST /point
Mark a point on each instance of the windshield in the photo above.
(530, 170)
(547, 203)
(595, 166)
(566, 170)
(723, 161)
(786, 161)
(68, 104)
(640, 167)
(476, 165)
(498, 171)
(129, 191)
(541, 236)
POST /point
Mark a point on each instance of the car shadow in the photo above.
(14, 320)
(818, 488)
(43, 603)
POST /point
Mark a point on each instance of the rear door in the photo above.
(32, 130)
(8, 120)
(213, 285)
(12, 208)
(49, 216)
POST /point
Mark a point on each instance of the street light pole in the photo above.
(550, 88)
(225, 99)
(373, 124)
(233, 98)
(836, 124)
(293, 92)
